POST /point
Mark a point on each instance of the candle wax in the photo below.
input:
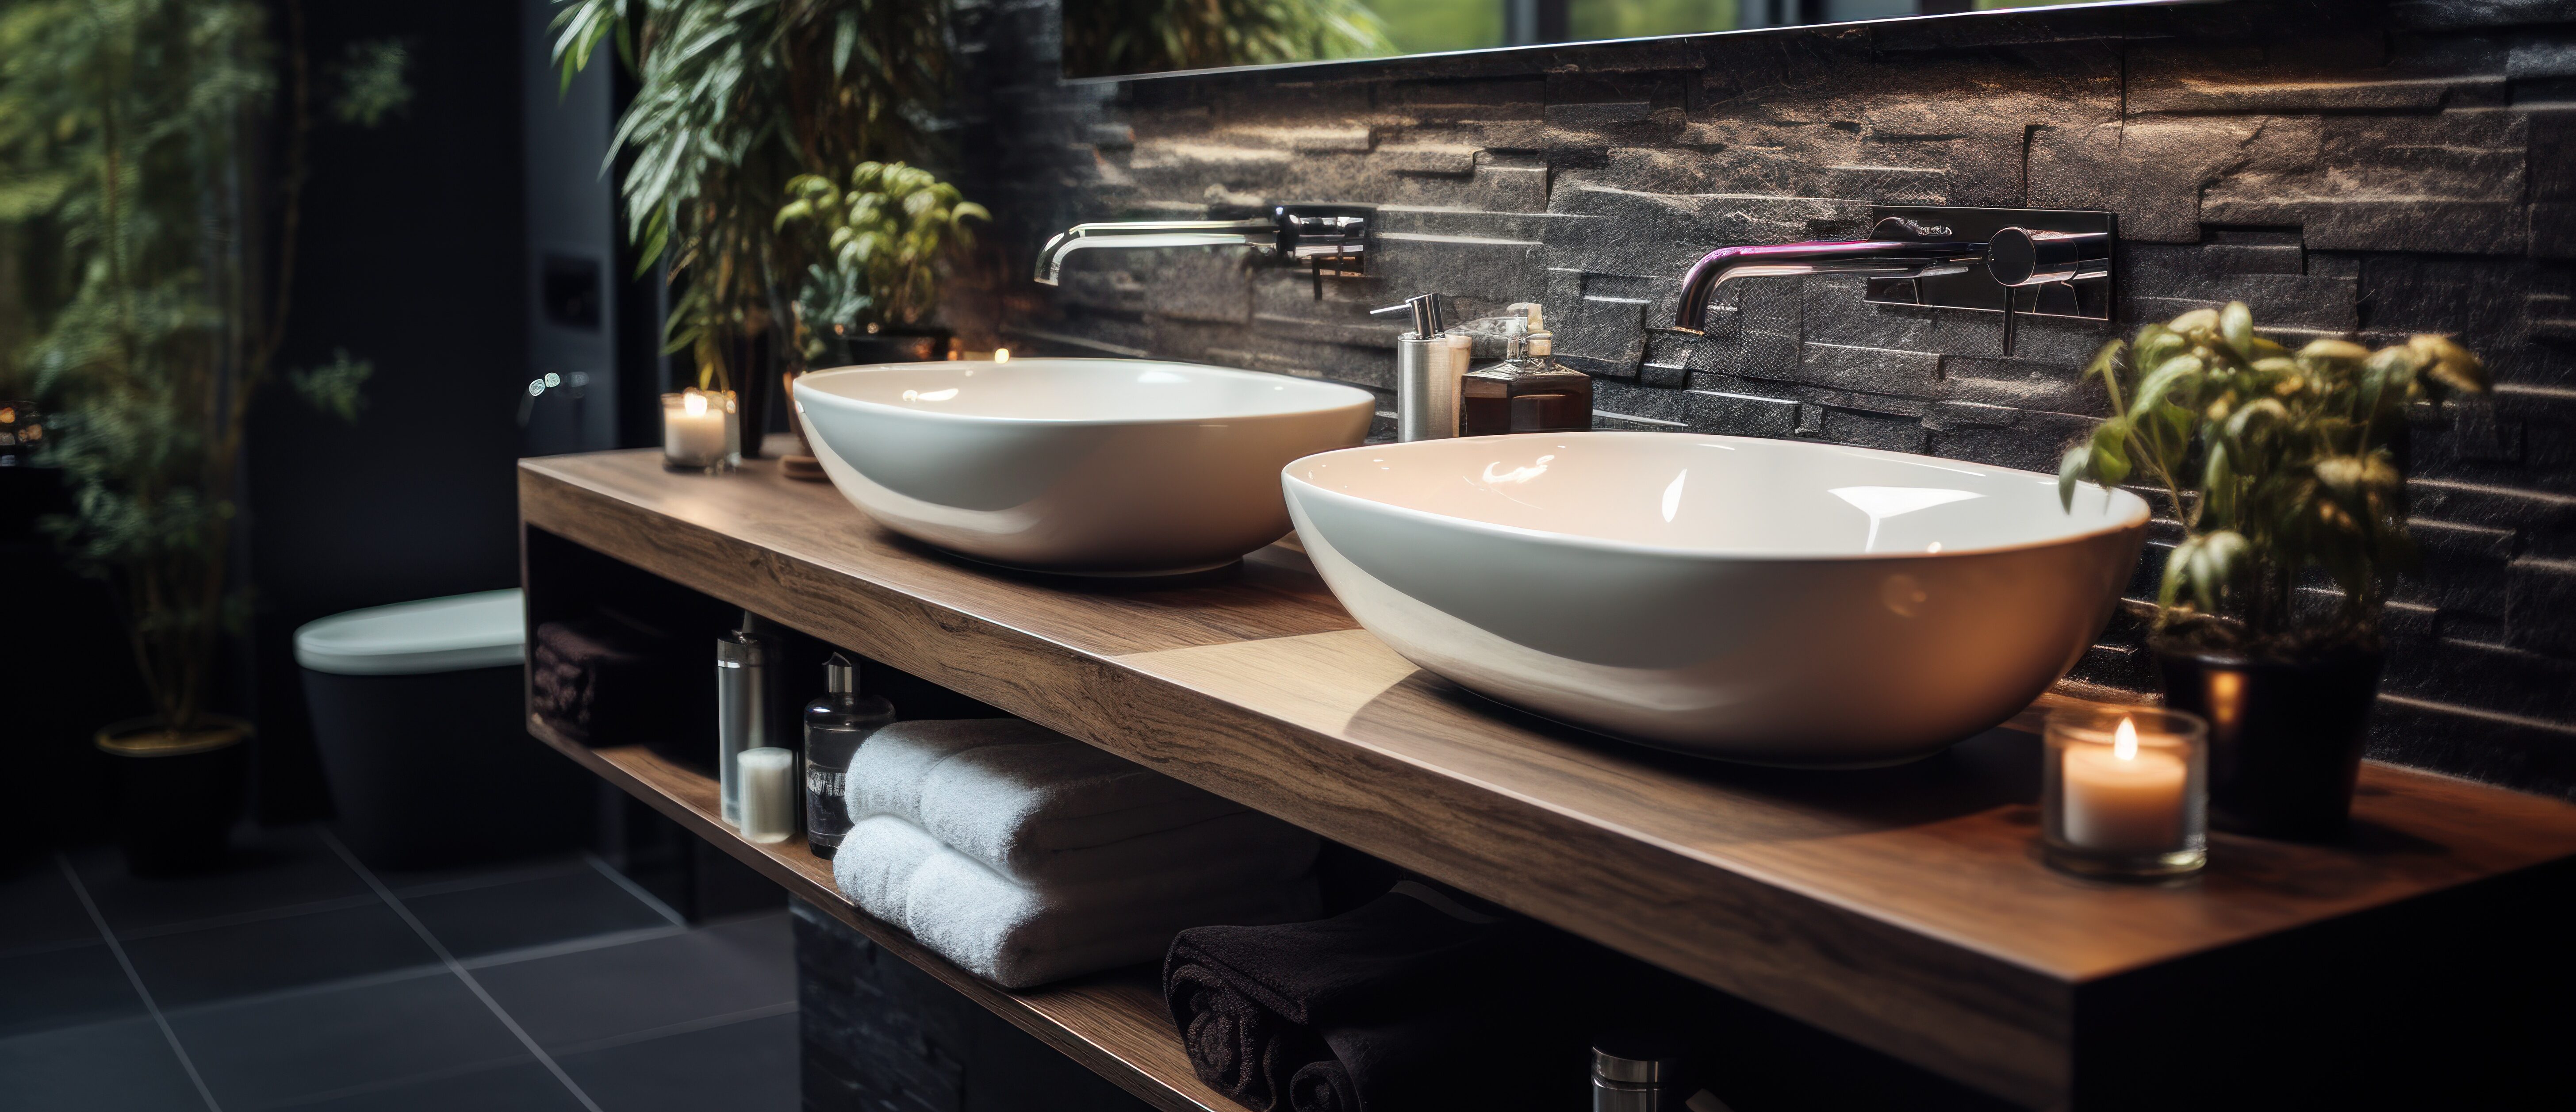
(2116, 804)
(694, 433)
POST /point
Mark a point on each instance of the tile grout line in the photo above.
(462, 974)
(570, 946)
(633, 889)
(136, 979)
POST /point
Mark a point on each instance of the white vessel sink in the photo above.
(1085, 466)
(1769, 601)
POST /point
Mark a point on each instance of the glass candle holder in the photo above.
(701, 431)
(2124, 792)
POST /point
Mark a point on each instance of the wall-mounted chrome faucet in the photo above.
(1326, 239)
(1955, 258)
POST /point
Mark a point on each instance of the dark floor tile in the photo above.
(524, 1087)
(64, 987)
(411, 882)
(268, 869)
(38, 910)
(120, 1066)
(740, 1067)
(277, 1049)
(578, 998)
(267, 955)
(478, 921)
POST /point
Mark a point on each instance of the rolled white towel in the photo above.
(1039, 807)
(1018, 935)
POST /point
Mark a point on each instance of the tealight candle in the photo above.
(701, 431)
(2124, 791)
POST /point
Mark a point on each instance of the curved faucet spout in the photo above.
(1873, 258)
(1258, 232)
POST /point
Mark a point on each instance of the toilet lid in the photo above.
(483, 630)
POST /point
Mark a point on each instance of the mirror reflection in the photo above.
(1115, 38)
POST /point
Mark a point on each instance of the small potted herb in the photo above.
(876, 251)
(2282, 467)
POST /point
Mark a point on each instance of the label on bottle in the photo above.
(827, 815)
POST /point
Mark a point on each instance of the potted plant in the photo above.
(129, 135)
(2283, 468)
(876, 250)
(733, 101)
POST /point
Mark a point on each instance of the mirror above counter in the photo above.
(1118, 39)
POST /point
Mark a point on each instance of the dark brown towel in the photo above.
(1259, 1008)
(607, 681)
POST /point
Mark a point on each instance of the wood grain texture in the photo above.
(1901, 908)
(1114, 1023)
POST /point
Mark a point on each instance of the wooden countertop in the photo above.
(1901, 908)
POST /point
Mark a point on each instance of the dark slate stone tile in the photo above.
(579, 998)
(488, 920)
(749, 1066)
(215, 963)
(420, 882)
(268, 870)
(39, 910)
(283, 1048)
(62, 988)
(521, 1087)
(119, 1066)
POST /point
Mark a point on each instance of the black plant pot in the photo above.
(178, 795)
(913, 344)
(755, 372)
(2285, 736)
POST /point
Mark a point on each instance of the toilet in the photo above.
(419, 715)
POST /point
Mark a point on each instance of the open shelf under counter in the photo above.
(1115, 1023)
(1899, 908)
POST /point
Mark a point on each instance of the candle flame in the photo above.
(694, 404)
(2124, 743)
(1001, 355)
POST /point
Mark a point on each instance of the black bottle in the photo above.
(834, 726)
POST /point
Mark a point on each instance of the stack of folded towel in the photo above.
(1027, 857)
(1413, 1001)
(605, 680)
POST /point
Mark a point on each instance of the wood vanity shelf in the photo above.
(1902, 909)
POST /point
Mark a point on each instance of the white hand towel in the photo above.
(1042, 808)
(1017, 935)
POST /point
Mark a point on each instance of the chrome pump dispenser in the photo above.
(1428, 363)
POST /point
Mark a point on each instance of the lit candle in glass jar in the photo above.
(700, 431)
(2124, 793)
(2121, 800)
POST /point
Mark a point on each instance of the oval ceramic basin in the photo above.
(1087, 466)
(1769, 601)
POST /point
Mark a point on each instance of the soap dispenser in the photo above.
(835, 725)
(1529, 391)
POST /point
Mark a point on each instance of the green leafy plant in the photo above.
(2280, 464)
(1151, 36)
(736, 98)
(877, 248)
(148, 298)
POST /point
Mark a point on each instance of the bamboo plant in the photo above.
(736, 99)
(150, 297)
(2281, 465)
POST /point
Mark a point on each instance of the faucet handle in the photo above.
(1426, 311)
(2018, 257)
